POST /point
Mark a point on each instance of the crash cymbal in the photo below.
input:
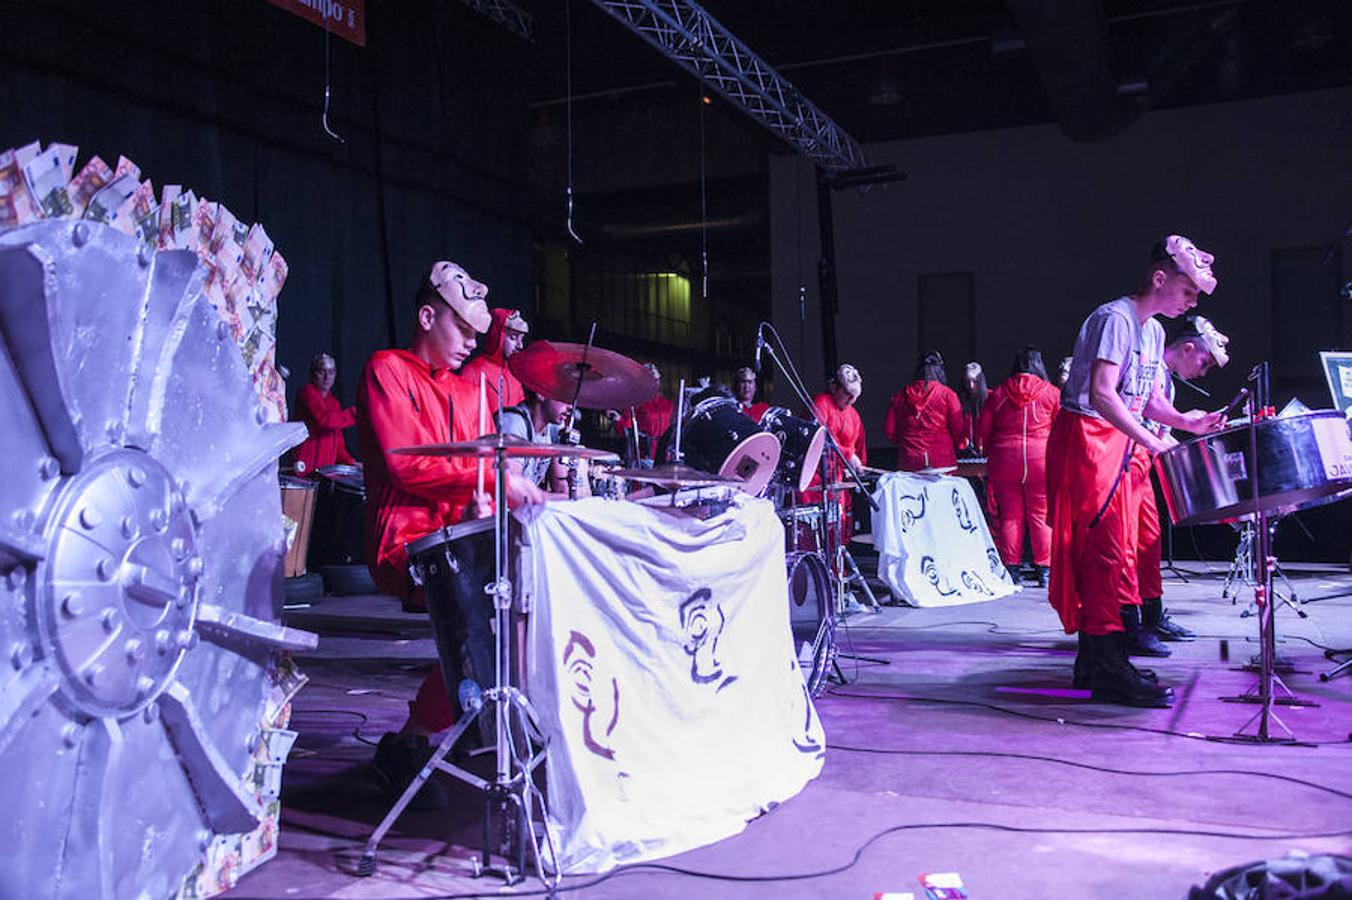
(512, 446)
(610, 380)
(675, 475)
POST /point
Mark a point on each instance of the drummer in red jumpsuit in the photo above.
(653, 417)
(1192, 353)
(409, 397)
(744, 389)
(325, 418)
(1015, 422)
(835, 408)
(1092, 495)
(506, 335)
(924, 419)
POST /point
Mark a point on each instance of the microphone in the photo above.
(760, 342)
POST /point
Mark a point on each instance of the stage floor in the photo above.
(956, 745)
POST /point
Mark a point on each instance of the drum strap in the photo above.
(1126, 461)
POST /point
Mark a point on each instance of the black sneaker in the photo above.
(398, 760)
(1169, 630)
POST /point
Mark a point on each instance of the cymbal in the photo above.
(610, 380)
(512, 446)
(841, 486)
(674, 475)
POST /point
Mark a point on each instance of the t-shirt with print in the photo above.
(1112, 333)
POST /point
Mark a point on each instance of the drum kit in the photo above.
(714, 449)
(1255, 472)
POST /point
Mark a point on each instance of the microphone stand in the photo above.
(785, 366)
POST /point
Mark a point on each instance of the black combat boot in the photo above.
(1141, 641)
(1154, 618)
(1113, 679)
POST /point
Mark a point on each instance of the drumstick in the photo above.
(483, 424)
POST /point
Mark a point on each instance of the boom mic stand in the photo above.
(836, 552)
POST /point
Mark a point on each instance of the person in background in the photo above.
(653, 419)
(744, 389)
(924, 419)
(1194, 351)
(972, 396)
(506, 335)
(1063, 372)
(835, 407)
(541, 420)
(1013, 428)
(325, 418)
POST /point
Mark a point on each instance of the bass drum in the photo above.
(719, 438)
(801, 441)
(810, 618)
(1303, 460)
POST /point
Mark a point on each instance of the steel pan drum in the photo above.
(1303, 461)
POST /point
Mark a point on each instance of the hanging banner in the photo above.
(934, 548)
(345, 18)
(663, 672)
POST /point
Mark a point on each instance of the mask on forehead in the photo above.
(1213, 340)
(1192, 262)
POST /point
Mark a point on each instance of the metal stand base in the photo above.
(1340, 668)
(509, 806)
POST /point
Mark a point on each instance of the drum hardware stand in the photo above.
(1242, 567)
(511, 798)
(1264, 565)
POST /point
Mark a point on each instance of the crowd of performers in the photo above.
(1068, 463)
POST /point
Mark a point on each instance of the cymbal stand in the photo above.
(569, 434)
(511, 799)
(1265, 691)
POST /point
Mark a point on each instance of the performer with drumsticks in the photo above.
(1193, 352)
(325, 418)
(541, 420)
(1093, 494)
(409, 397)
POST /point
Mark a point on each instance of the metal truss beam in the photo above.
(684, 32)
(507, 14)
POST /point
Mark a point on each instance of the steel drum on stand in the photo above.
(1303, 461)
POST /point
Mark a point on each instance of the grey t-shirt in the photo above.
(1112, 333)
(515, 420)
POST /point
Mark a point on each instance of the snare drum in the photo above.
(801, 442)
(802, 528)
(810, 617)
(719, 438)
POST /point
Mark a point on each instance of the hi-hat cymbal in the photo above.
(511, 445)
(610, 380)
(674, 475)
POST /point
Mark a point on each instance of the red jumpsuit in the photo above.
(754, 411)
(971, 432)
(1014, 425)
(493, 365)
(848, 430)
(924, 420)
(654, 418)
(1093, 562)
(402, 401)
(325, 417)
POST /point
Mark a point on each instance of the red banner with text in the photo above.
(345, 18)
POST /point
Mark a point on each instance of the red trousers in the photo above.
(1014, 507)
(1149, 582)
(431, 708)
(1095, 525)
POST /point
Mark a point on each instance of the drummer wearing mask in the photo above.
(1195, 350)
(409, 397)
(835, 408)
(1093, 490)
(506, 335)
